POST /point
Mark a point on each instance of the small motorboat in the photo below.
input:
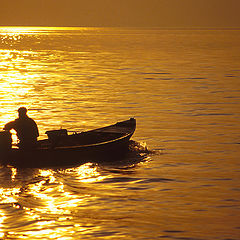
(63, 149)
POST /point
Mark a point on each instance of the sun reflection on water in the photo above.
(9, 195)
(46, 190)
(57, 202)
(16, 75)
(31, 30)
(2, 218)
(15, 84)
(14, 173)
(87, 173)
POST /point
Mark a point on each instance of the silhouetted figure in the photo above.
(26, 128)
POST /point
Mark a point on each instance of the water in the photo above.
(182, 86)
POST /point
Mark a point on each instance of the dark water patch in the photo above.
(231, 97)
(166, 189)
(126, 165)
(104, 234)
(149, 78)
(127, 107)
(173, 231)
(230, 76)
(137, 188)
(197, 78)
(179, 238)
(175, 164)
(231, 200)
(124, 69)
(38, 109)
(154, 73)
(205, 103)
(188, 238)
(180, 140)
(165, 236)
(157, 78)
(207, 185)
(212, 114)
(120, 180)
(154, 180)
(217, 91)
(227, 206)
(121, 171)
(222, 179)
(210, 152)
(166, 79)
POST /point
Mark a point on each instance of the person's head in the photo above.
(22, 112)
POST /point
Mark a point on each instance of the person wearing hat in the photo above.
(26, 128)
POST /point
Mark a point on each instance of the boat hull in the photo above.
(111, 150)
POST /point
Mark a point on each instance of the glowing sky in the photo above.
(131, 13)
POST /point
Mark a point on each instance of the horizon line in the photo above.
(132, 27)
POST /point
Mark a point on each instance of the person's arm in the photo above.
(9, 126)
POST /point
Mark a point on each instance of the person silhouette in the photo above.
(26, 128)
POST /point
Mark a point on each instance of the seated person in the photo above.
(26, 128)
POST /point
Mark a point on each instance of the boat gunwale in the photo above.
(126, 135)
(94, 144)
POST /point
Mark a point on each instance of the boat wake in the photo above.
(139, 147)
(138, 152)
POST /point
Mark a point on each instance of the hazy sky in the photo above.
(132, 13)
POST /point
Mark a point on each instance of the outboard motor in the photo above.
(57, 137)
(5, 141)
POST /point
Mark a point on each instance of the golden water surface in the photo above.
(182, 86)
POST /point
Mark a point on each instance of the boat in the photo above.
(63, 149)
